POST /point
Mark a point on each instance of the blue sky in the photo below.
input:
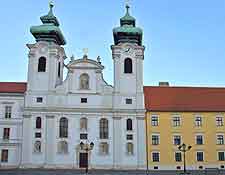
(185, 40)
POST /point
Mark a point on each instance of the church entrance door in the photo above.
(83, 160)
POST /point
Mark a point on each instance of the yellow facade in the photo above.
(188, 130)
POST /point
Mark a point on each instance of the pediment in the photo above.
(85, 64)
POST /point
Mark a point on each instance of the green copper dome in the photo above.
(49, 30)
(127, 32)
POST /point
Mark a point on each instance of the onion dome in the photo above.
(127, 32)
(49, 30)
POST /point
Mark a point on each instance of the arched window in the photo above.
(83, 124)
(84, 81)
(42, 64)
(130, 148)
(59, 69)
(63, 147)
(37, 147)
(128, 68)
(104, 133)
(63, 128)
(38, 123)
(129, 125)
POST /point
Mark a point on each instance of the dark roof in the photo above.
(181, 99)
(12, 87)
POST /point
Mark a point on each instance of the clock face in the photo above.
(43, 50)
(127, 50)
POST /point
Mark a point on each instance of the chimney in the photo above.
(164, 84)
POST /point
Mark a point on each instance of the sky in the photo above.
(184, 40)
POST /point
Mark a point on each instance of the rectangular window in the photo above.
(83, 100)
(199, 140)
(221, 156)
(39, 100)
(128, 101)
(129, 137)
(104, 148)
(178, 157)
(155, 139)
(37, 135)
(219, 121)
(220, 139)
(83, 136)
(155, 121)
(176, 121)
(200, 156)
(155, 157)
(198, 121)
(6, 133)
(4, 156)
(8, 111)
(177, 140)
(130, 148)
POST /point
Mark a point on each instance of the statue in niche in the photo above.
(84, 81)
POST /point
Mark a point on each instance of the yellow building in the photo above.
(190, 115)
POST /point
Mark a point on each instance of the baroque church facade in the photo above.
(45, 121)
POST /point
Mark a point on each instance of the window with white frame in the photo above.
(178, 156)
(199, 139)
(221, 156)
(220, 139)
(155, 157)
(155, 139)
(177, 140)
(104, 148)
(8, 111)
(176, 121)
(37, 146)
(6, 133)
(219, 121)
(198, 121)
(200, 156)
(4, 155)
(155, 120)
(63, 147)
(104, 128)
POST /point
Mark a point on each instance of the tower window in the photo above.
(59, 69)
(39, 100)
(128, 68)
(128, 101)
(38, 123)
(129, 125)
(42, 64)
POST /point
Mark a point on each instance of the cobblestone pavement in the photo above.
(101, 172)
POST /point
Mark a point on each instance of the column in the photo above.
(117, 155)
(50, 140)
(27, 141)
(141, 142)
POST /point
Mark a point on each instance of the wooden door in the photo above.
(83, 160)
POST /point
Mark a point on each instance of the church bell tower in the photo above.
(128, 56)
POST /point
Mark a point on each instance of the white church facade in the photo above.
(44, 122)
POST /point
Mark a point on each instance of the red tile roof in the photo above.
(12, 87)
(178, 99)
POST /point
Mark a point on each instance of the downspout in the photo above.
(146, 127)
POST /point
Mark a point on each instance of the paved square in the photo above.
(102, 172)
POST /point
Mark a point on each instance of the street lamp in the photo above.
(86, 147)
(184, 148)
